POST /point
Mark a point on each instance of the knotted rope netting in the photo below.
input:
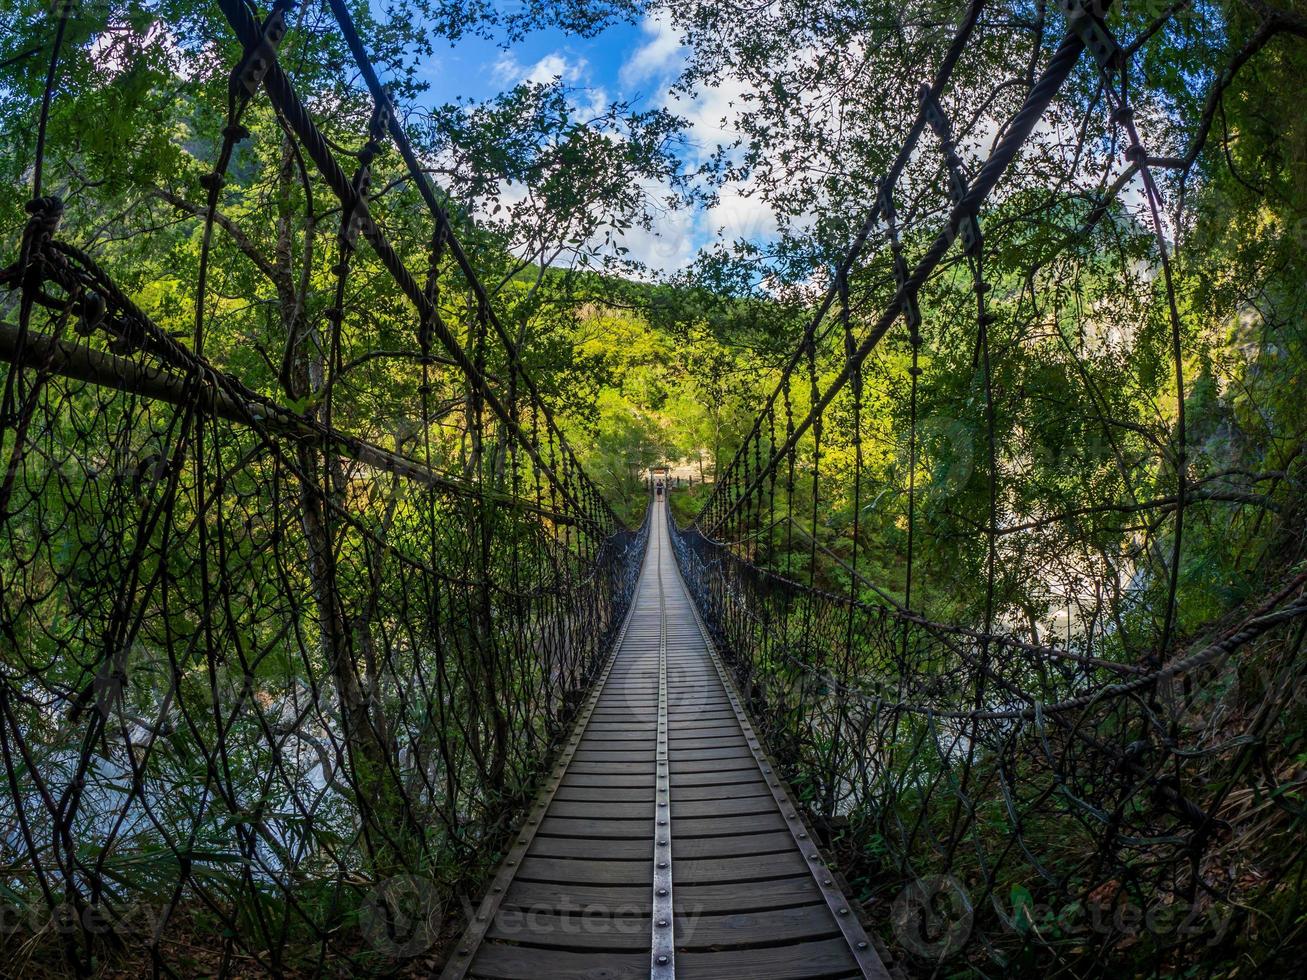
(274, 674)
(1024, 788)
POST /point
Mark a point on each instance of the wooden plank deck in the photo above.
(663, 845)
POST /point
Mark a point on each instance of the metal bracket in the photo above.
(1099, 41)
(969, 232)
(911, 311)
(968, 228)
(261, 56)
(935, 117)
(358, 215)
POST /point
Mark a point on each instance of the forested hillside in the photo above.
(409, 527)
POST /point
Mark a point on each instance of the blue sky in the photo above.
(473, 67)
(627, 61)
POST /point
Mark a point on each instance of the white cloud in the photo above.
(509, 71)
(671, 244)
(668, 248)
(553, 66)
(741, 214)
(658, 55)
(713, 115)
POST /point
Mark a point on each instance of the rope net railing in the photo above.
(1014, 740)
(277, 679)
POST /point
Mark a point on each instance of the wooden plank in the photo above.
(738, 869)
(599, 899)
(732, 741)
(596, 830)
(615, 767)
(722, 806)
(698, 726)
(586, 872)
(702, 721)
(799, 961)
(720, 766)
(716, 754)
(616, 849)
(778, 893)
(600, 779)
(705, 778)
(597, 749)
(707, 791)
(767, 928)
(735, 846)
(605, 809)
(500, 961)
(724, 825)
(628, 794)
(624, 928)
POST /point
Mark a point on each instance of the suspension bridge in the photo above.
(330, 699)
(664, 842)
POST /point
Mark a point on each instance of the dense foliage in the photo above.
(1083, 399)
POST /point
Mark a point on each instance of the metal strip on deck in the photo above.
(662, 962)
(664, 732)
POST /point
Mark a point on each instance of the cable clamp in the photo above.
(357, 215)
(911, 311)
(885, 199)
(966, 228)
(1083, 18)
(934, 115)
(259, 57)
